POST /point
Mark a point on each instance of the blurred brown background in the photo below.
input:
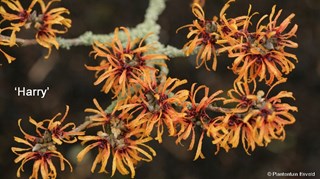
(70, 83)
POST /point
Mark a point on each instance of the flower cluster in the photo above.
(41, 148)
(145, 100)
(256, 119)
(155, 105)
(117, 138)
(120, 63)
(46, 22)
(197, 116)
(205, 36)
(260, 54)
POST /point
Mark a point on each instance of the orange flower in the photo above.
(154, 104)
(8, 42)
(273, 116)
(57, 130)
(277, 31)
(231, 29)
(235, 125)
(142, 103)
(118, 139)
(21, 16)
(103, 150)
(45, 22)
(256, 119)
(101, 118)
(130, 154)
(122, 62)
(46, 32)
(164, 101)
(242, 95)
(40, 150)
(206, 37)
(123, 143)
(197, 116)
(228, 130)
(104, 119)
(261, 54)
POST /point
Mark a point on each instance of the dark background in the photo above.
(70, 83)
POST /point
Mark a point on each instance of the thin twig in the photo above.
(218, 109)
(20, 41)
(82, 126)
